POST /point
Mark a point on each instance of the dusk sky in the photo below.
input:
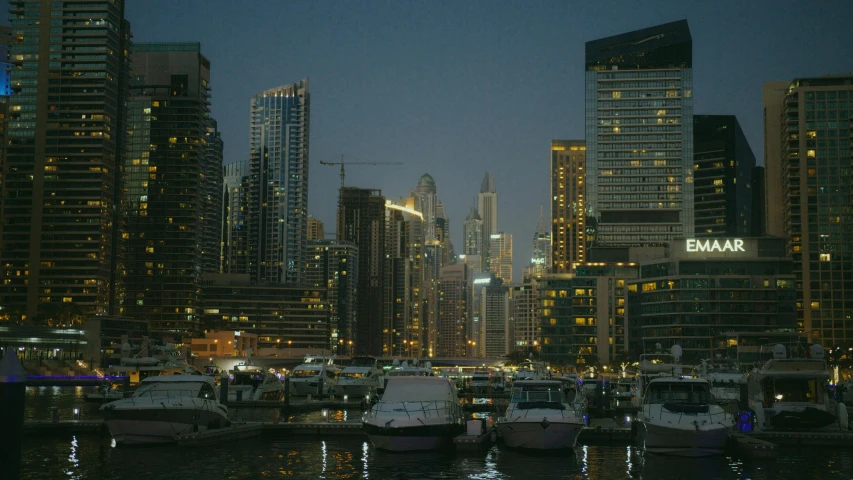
(459, 88)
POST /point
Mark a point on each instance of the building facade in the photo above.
(568, 207)
(61, 190)
(169, 162)
(361, 220)
(495, 316)
(333, 266)
(472, 235)
(487, 208)
(525, 309)
(639, 138)
(455, 299)
(235, 211)
(283, 316)
(404, 327)
(702, 288)
(500, 263)
(722, 186)
(316, 229)
(278, 162)
(808, 185)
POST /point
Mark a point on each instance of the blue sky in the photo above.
(459, 88)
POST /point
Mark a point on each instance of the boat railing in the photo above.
(423, 409)
(691, 409)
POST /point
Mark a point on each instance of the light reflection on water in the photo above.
(87, 456)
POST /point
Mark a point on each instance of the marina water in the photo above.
(89, 456)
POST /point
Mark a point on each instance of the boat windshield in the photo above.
(410, 373)
(480, 378)
(254, 379)
(538, 393)
(306, 373)
(362, 362)
(680, 393)
(803, 390)
(175, 389)
(355, 374)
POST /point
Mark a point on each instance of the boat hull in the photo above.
(309, 388)
(690, 441)
(355, 390)
(412, 438)
(541, 435)
(159, 423)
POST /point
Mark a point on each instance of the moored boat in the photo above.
(539, 417)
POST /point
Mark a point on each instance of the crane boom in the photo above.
(342, 163)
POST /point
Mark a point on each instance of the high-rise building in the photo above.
(454, 288)
(541, 257)
(235, 229)
(66, 141)
(432, 264)
(278, 145)
(404, 326)
(495, 315)
(472, 234)
(316, 229)
(426, 200)
(501, 256)
(168, 164)
(361, 220)
(5, 94)
(639, 143)
(808, 178)
(722, 185)
(759, 226)
(214, 196)
(333, 266)
(568, 208)
(525, 308)
(487, 207)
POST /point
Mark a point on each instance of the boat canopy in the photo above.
(414, 389)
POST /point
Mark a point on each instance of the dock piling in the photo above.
(12, 397)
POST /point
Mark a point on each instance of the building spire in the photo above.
(540, 225)
(488, 185)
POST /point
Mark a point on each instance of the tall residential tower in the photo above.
(639, 138)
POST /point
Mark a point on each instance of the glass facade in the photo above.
(639, 135)
(333, 265)
(723, 166)
(816, 181)
(66, 140)
(278, 146)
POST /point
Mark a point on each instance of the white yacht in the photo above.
(317, 375)
(253, 383)
(165, 406)
(530, 370)
(679, 417)
(362, 378)
(414, 370)
(416, 413)
(724, 379)
(539, 416)
(791, 394)
(487, 381)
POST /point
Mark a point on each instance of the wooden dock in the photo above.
(750, 446)
(63, 426)
(810, 439)
(475, 443)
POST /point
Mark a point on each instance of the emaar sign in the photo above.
(697, 245)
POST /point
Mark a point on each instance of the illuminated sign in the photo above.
(537, 261)
(696, 245)
(479, 281)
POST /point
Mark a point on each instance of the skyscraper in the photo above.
(472, 234)
(541, 254)
(213, 182)
(495, 318)
(235, 229)
(5, 94)
(722, 187)
(404, 328)
(61, 174)
(278, 145)
(639, 120)
(568, 207)
(455, 298)
(501, 251)
(808, 185)
(361, 220)
(487, 207)
(168, 165)
(426, 200)
(316, 230)
(333, 266)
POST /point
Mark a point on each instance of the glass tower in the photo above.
(639, 135)
(278, 145)
(66, 139)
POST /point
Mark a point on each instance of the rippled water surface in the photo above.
(88, 456)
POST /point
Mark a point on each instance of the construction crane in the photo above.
(342, 164)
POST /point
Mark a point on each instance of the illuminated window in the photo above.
(616, 94)
(810, 153)
(825, 257)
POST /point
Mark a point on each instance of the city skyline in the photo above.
(461, 129)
